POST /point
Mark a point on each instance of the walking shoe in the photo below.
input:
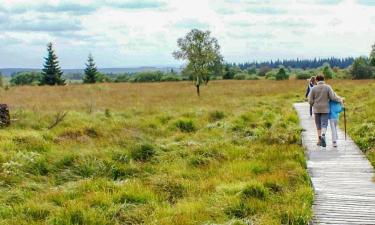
(334, 144)
(319, 142)
(323, 141)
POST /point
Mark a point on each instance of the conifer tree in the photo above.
(91, 72)
(52, 74)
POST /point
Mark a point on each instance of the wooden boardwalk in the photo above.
(343, 178)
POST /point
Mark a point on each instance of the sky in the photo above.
(132, 33)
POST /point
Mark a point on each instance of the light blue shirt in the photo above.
(335, 110)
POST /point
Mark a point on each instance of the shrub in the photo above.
(282, 74)
(328, 72)
(264, 70)
(171, 77)
(303, 75)
(185, 125)
(103, 78)
(252, 77)
(147, 76)
(26, 78)
(240, 76)
(270, 76)
(143, 152)
(252, 70)
(230, 71)
(122, 78)
(255, 190)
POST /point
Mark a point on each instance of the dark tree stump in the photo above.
(4, 115)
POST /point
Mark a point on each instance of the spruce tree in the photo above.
(52, 74)
(91, 72)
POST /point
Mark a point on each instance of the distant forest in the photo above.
(299, 63)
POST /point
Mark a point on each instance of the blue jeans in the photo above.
(321, 120)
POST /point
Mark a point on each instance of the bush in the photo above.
(252, 77)
(263, 71)
(143, 152)
(26, 78)
(230, 71)
(240, 76)
(270, 76)
(103, 78)
(282, 74)
(328, 72)
(303, 75)
(147, 76)
(171, 77)
(252, 70)
(185, 125)
(122, 78)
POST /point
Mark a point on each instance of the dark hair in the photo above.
(320, 77)
(313, 80)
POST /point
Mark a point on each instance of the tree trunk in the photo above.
(198, 92)
(4, 115)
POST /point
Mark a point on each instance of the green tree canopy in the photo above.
(361, 69)
(52, 74)
(372, 56)
(91, 72)
(202, 53)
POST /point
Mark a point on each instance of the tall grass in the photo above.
(360, 104)
(155, 154)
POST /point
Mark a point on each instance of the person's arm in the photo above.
(311, 97)
(308, 91)
(332, 95)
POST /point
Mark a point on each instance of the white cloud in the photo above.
(132, 33)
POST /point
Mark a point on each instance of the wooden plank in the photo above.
(343, 179)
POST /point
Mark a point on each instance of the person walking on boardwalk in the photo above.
(319, 99)
(312, 83)
(335, 109)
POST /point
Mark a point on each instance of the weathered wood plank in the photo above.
(342, 177)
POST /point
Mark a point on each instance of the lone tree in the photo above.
(202, 53)
(372, 56)
(52, 74)
(91, 72)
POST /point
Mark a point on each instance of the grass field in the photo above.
(361, 114)
(157, 154)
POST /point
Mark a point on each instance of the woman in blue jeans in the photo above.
(319, 98)
(312, 83)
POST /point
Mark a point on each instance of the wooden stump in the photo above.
(4, 115)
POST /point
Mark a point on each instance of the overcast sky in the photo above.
(128, 33)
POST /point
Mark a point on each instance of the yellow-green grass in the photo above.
(155, 154)
(360, 104)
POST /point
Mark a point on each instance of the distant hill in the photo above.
(9, 71)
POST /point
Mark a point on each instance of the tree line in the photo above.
(299, 63)
(204, 62)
